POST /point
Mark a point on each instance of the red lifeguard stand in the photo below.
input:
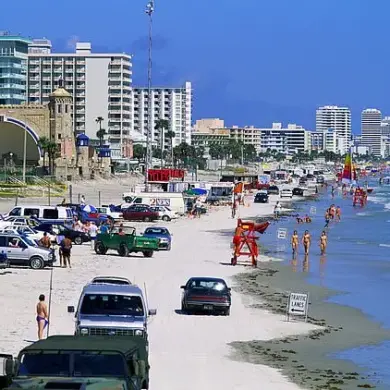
(359, 197)
(244, 240)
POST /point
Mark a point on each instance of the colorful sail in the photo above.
(347, 176)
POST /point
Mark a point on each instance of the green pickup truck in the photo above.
(125, 241)
(77, 362)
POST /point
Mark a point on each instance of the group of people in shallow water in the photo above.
(306, 242)
(332, 213)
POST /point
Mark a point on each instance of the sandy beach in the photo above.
(191, 352)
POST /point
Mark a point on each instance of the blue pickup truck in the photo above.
(162, 234)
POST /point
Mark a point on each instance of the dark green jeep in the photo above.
(76, 362)
(125, 241)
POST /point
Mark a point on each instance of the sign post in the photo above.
(281, 235)
(298, 305)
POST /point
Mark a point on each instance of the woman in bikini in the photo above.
(294, 242)
(323, 242)
(42, 316)
(306, 241)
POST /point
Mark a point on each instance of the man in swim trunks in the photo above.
(42, 316)
(323, 242)
(327, 218)
(294, 242)
(306, 241)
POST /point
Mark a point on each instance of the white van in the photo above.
(48, 214)
(173, 200)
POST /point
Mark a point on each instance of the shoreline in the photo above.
(298, 357)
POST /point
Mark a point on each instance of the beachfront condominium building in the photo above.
(100, 85)
(327, 140)
(287, 140)
(371, 122)
(172, 104)
(13, 68)
(339, 120)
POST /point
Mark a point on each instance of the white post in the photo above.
(24, 151)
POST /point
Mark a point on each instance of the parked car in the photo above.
(140, 213)
(22, 251)
(18, 221)
(286, 193)
(31, 233)
(273, 190)
(52, 214)
(77, 237)
(164, 213)
(110, 280)
(109, 212)
(261, 197)
(320, 180)
(162, 234)
(298, 191)
(211, 295)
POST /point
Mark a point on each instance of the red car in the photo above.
(140, 213)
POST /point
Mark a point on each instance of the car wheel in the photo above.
(100, 249)
(147, 253)
(166, 218)
(123, 250)
(36, 263)
(227, 312)
(183, 309)
(78, 240)
(145, 384)
(147, 219)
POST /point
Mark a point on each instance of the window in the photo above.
(50, 214)
(90, 364)
(112, 305)
(29, 212)
(207, 284)
(66, 108)
(138, 200)
(15, 212)
(3, 242)
(45, 364)
(59, 109)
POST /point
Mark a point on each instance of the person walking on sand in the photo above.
(306, 241)
(42, 316)
(66, 247)
(92, 234)
(323, 242)
(294, 242)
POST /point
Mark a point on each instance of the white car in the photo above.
(105, 210)
(28, 231)
(16, 221)
(165, 213)
(286, 193)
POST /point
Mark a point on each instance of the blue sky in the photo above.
(252, 62)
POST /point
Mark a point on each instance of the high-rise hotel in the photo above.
(100, 85)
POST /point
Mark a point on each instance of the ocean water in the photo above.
(357, 263)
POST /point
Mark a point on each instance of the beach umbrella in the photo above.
(89, 209)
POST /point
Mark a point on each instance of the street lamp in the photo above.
(149, 11)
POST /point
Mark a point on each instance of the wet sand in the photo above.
(304, 359)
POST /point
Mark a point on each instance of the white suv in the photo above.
(286, 193)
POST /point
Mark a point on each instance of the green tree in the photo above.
(250, 152)
(43, 142)
(53, 152)
(139, 152)
(101, 132)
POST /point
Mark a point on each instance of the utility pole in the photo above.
(149, 11)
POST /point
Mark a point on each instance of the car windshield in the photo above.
(110, 281)
(44, 364)
(85, 364)
(107, 304)
(28, 241)
(216, 285)
(156, 231)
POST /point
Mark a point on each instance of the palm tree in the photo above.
(53, 153)
(43, 142)
(162, 124)
(171, 135)
(101, 132)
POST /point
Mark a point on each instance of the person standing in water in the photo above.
(294, 242)
(327, 218)
(338, 213)
(323, 242)
(42, 316)
(306, 241)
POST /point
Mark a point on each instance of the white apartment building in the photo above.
(287, 140)
(100, 84)
(248, 135)
(173, 104)
(327, 140)
(371, 130)
(338, 119)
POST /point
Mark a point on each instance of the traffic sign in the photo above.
(282, 234)
(298, 305)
